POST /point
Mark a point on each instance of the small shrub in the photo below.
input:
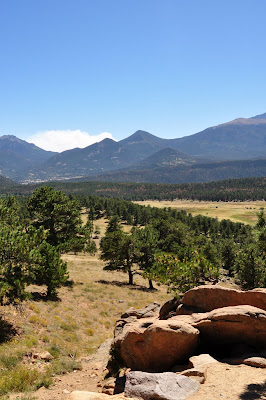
(33, 319)
(68, 326)
(55, 351)
(45, 339)
(34, 308)
(71, 338)
(89, 332)
(104, 313)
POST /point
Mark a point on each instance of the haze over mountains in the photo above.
(218, 152)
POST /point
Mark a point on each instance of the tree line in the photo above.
(244, 189)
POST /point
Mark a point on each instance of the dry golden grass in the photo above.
(83, 318)
(236, 211)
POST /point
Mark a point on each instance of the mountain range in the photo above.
(233, 149)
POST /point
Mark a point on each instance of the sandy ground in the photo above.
(232, 382)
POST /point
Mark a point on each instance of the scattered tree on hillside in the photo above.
(49, 269)
(17, 247)
(61, 218)
(147, 245)
(117, 247)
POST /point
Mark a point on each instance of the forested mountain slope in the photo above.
(182, 173)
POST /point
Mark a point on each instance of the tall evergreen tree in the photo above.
(61, 218)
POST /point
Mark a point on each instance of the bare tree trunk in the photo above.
(130, 277)
(150, 285)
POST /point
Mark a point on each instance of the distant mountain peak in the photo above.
(141, 136)
(107, 140)
(10, 137)
(141, 133)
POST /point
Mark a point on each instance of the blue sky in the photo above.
(171, 67)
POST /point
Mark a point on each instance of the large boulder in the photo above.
(165, 386)
(210, 297)
(155, 345)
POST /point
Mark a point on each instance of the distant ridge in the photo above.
(194, 173)
(260, 116)
(166, 157)
(241, 139)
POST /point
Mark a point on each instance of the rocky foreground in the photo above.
(167, 352)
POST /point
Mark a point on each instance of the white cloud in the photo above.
(58, 140)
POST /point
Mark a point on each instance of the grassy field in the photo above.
(245, 212)
(69, 328)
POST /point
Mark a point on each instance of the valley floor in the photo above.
(245, 212)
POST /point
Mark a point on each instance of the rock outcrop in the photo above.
(157, 345)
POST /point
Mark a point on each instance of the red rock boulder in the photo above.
(210, 297)
(155, 345)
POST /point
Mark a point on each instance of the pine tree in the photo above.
(61, 218)
(49, 269)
